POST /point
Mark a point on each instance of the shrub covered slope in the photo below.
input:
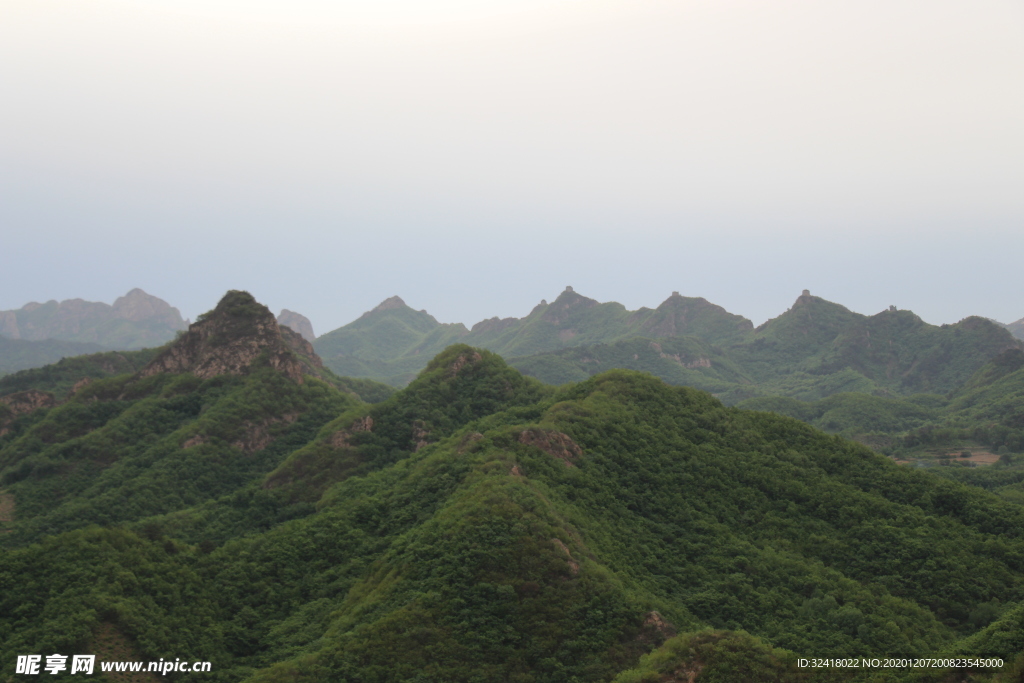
(480, 526)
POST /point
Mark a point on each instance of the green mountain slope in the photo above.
(815, 349)
(475, 526)
(393, 342)
(687, 361)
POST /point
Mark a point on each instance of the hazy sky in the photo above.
(476, 156)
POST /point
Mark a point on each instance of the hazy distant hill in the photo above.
(818, 348)
(136, 320)
(390, 343)
(393, 342)
(19, 354)
(815, 349)
(298, 323)
(1016, 329)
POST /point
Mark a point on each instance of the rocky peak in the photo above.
(389, 304)
(567, 302)
(297, 322)
(231, 337)
(137, 306)
(681, 315)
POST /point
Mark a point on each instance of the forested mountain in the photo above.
(393, 342)
(233, 501)
(134, 321)
(815, 349)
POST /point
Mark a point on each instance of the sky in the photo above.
(477, 156)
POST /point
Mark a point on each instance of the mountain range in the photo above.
(227, 498)
(37, 334)
(815, 349)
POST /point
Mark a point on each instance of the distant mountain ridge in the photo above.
(135, 320)
(1016, 328)
(392, 342)
(814, 349)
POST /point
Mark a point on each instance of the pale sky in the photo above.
(475, 157)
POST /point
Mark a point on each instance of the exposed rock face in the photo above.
(339, 439)
(228, 339)
(419, 435)
(574, 566)
(463, 360)
(553, 443)
(137, 306)
(81, 384)
(298, 323)
(21, 403)
(699, 362)
(27, 401)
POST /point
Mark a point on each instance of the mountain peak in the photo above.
(389, 304)
(230, 338)
(137, 306)
(297, 322)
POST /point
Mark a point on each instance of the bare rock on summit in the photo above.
(297, 322)
(231, 337)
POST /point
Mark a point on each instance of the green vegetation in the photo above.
(60, 377)
(480, 526)
(814, 350)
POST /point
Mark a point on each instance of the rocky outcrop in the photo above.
(298, 323)
(462, 361)
(553, 443)
(699, 362)
(231, 337)
(420, 436)
(21, 403)
(27, 401)
(574, 566)
(339, 439)
(138, 306)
